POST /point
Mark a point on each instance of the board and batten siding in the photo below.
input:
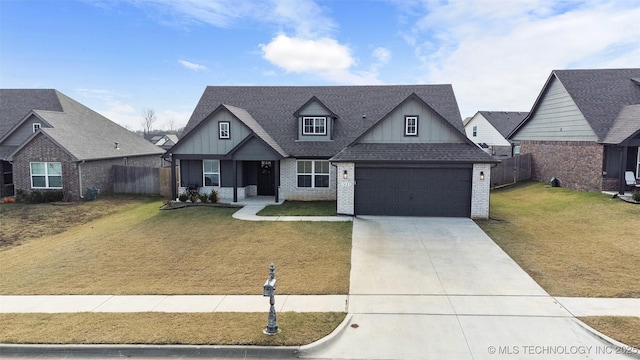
(557, 118)
(315, 109)
(486, 132)
(205, 140)
(431, 127)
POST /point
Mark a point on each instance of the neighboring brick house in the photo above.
(49, 141)
(377, 150)
(489, 129)
(584, 129)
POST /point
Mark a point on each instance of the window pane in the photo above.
(322, 181)
(55, 181)
(304, 180)
(304, 167)
(37, 168)
(212, 180)
(39, 181)
(211, 166)
(321, 167)
(54, 168)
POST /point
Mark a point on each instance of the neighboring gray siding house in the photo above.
(584, 129)
(490, 129)
(49, 141)
(385, 150)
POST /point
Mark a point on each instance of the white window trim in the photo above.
(204, 173)
(474, 131)
(35, 127)
(221, 130)
(407, 132)
(314, 118)
(46, 174)
(313, 175)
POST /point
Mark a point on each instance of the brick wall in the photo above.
(480, 191)
(576, 164)
(96, 173)
(345, 189)
(289, 189)
(39, 149)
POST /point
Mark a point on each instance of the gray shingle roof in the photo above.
(627, 124)
(414, 152)
(504, 121)
(601, 94)
(273, 108)
(15, 104)
(248, 120)
(84, 133)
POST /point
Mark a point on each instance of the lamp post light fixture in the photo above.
(345, 175)
(269, 290)
(481, 175)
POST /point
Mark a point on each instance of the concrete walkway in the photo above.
(251, 206)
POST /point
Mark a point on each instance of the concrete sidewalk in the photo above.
(169, 303)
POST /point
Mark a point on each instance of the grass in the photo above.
(165, 328)
(572, 243)
(300, 208)
(197, 250)
(623, 329)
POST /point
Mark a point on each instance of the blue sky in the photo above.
(120, 57)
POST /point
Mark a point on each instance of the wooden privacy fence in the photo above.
(141, 180)
(511, 170)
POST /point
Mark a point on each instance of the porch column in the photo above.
(276, 180)
(174, 191)
(235, 181)
(623, 166)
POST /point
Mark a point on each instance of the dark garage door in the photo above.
(413, 191)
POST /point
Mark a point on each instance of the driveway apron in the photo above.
(440, 288)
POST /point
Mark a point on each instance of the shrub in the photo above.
(636, 195)
(204, 198)
(183, 197)
(38, 196)
(213, 197)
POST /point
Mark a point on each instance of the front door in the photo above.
(266, 181)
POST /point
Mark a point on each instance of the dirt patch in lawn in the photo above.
(24, 222)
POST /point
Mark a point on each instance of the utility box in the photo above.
(555, 182)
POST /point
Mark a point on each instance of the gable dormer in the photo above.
(315, 121)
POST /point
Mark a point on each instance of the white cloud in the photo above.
(192, 66)
(305, 55)
(500, 53)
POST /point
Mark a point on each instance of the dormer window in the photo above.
(411, 125)
(223, 130)
(36, 126)
(314, 125)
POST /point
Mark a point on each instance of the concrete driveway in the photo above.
(440, 288)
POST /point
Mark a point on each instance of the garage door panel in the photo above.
(413, 191)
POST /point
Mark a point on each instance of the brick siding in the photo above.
(96, 173)
(289, 189)
(480, 191)
(346, 189)
(576, 164)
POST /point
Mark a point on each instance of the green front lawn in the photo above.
(300, 208)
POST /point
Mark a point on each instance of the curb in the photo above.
(195, 351)
(307, 350)
(628, 350)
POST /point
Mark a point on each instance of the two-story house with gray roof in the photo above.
(49, 141)
(490, 129)
(383, 150)
(584, 129)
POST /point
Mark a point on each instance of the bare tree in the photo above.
(172, 124)
(149, 117)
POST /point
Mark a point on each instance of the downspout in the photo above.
(623, 166)
(80, 177)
